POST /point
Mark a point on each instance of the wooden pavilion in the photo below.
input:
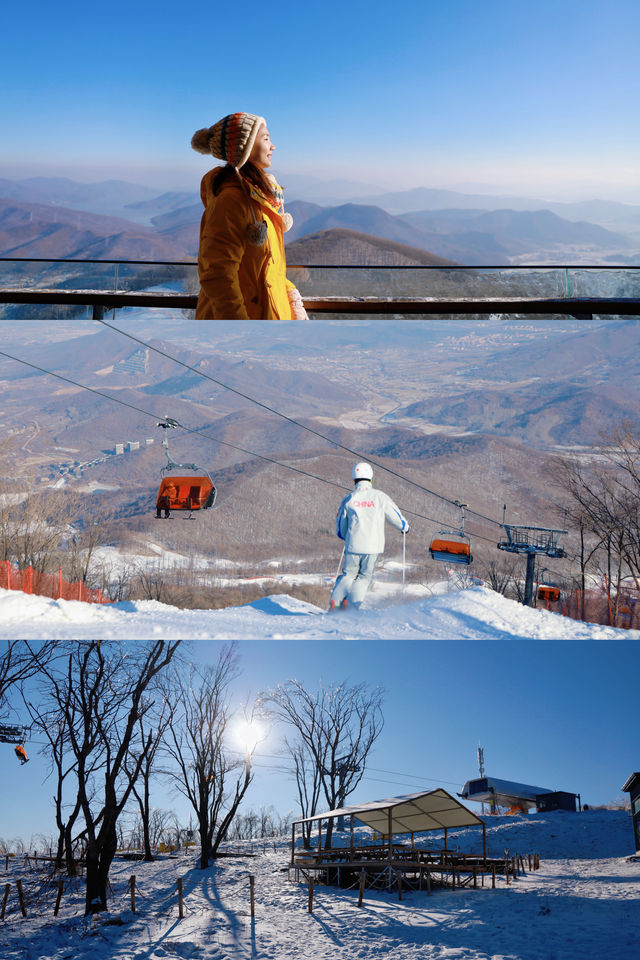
(393, 854)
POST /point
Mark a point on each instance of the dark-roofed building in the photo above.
(632, 787)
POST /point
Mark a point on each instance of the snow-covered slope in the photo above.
(583, 903)
(476, 612)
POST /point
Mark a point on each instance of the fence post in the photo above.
(59, 897)
(310, 895)
(251, 894)
(7, 887)
(132, 887)
(21, 898)
(29, 583)
(180, 900)
(361, 888)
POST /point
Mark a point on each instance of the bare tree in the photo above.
(213, 781)
(334, 729)
(101, 692)
(152, 728)
(603, 501)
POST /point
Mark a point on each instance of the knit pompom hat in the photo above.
(230, 139)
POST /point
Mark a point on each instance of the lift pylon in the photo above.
(531, 541)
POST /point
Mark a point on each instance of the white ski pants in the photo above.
(355, 579)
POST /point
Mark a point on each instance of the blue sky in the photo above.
(558, 714)
(538, 98)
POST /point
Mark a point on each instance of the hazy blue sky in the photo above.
(558, 714)
(530, 97)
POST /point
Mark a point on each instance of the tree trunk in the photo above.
(99, 858)
(146, 814)
(205, 841)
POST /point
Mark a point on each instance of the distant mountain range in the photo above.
(61, 218)
(44, 230)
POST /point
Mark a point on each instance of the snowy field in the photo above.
(473, 613)
(583, 903)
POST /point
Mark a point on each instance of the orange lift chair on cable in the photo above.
(548, 591)
(452, 546)
(182, 493)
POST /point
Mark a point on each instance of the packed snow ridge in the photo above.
(472, 613)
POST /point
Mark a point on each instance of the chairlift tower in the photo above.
(533, 542)
(12, 733)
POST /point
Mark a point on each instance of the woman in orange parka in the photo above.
(241, 259)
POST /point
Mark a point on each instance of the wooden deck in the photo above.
(413, 868)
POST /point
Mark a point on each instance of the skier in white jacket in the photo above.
(360, 523)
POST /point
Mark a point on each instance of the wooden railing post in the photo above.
(59, 896)
(180, 899)
(23, 909)
(7, 887)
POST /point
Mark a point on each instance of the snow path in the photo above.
(473, 613)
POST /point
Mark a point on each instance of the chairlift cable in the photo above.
(292, 420)
(206, 436)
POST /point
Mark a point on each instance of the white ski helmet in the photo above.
(363, 471)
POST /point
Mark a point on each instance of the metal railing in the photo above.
(574, 290)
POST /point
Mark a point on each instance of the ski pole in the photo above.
(340, 563)
(404, 557)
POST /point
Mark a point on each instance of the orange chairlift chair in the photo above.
(21, 753)
(184, 493)
(548, 591)
(452, 546)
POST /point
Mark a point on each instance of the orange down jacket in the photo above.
(238, 280)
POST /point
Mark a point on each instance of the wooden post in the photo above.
(361, 888)
(506, 869)
(475, 877)
(319, 839)
(453, 876)
(310, 907)
(493, 877)
(390, 828)
(252, 880)
(399, 885)
(293, 841)
(59, 896)
(445, 838)
(351, 842)
(7, 887)
(132, 888)
(180, 900)
(428, 884)
(6, 863)
(484, 842)
(21, 898)
(529, 859)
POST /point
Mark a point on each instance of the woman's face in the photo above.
(262, 149)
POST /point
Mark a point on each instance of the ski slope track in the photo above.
(473, 613)
(583, 903)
